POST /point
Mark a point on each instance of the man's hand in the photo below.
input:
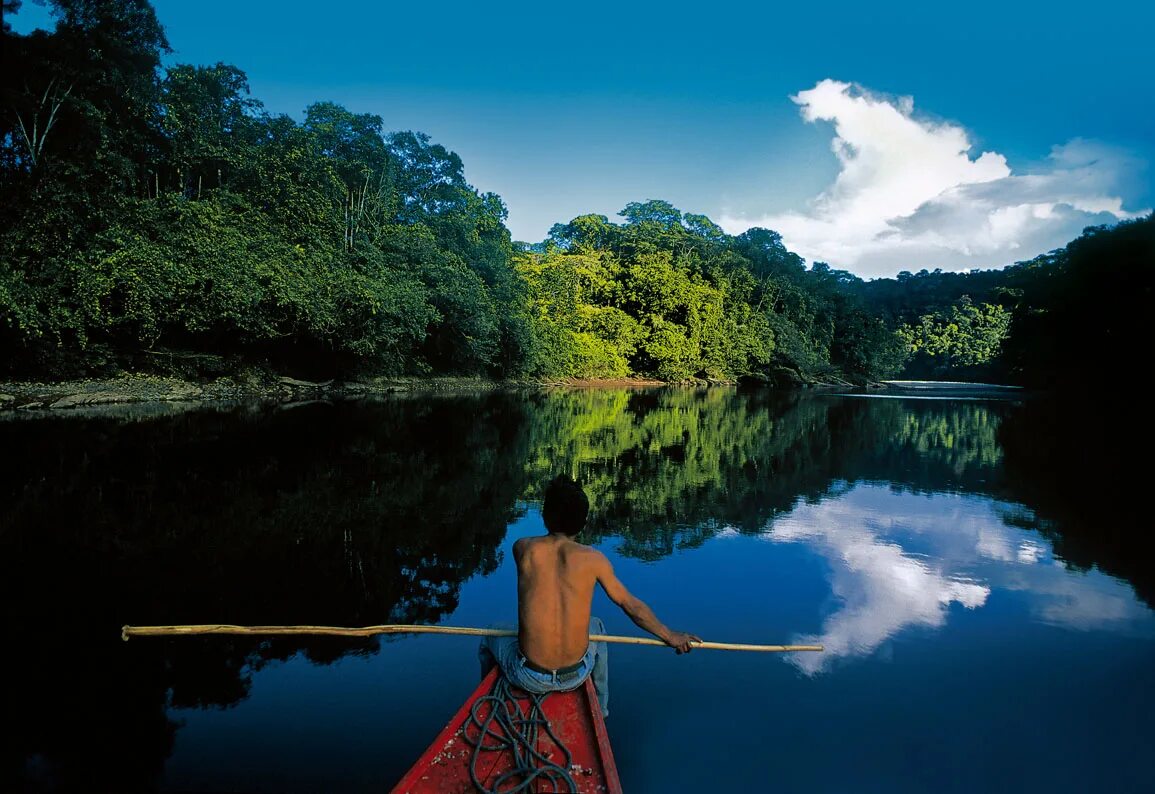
(680, 641)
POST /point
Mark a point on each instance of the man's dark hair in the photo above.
(566, 506)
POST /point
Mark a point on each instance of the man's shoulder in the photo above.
(572, 548)
(588, 552)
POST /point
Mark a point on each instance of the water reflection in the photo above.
(331, 515)
(666, 469)
(381, 512)
(900, 560)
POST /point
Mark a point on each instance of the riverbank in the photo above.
(135, 388)
(262, 384)
(254, 384)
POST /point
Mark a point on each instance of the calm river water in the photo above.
(979, 571)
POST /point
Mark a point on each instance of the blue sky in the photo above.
(565, 109)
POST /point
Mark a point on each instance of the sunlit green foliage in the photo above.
(144, 208)
(706, 304)
(969, 336)
(165, 209)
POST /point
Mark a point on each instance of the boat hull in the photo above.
(576, 720)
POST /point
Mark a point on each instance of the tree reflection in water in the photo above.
(361, 513)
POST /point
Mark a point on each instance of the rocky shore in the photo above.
(264, 385)
(142, 388)
(135, 388)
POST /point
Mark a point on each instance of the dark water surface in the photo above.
(978, 570)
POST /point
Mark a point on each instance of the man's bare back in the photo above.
(555, 587)
(556, 577)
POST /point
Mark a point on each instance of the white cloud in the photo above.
(910, 195)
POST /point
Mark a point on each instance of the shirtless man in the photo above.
(555, 587)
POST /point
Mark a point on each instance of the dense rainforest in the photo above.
(152, 213)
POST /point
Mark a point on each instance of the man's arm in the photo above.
(639, 612)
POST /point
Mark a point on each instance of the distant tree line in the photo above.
(148, 210)
(1069, 316)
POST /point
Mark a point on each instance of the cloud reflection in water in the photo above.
(899, 560)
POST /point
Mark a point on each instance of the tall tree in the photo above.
(208, 121)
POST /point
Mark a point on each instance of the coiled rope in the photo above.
(510, 720)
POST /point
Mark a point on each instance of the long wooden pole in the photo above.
(369, 631)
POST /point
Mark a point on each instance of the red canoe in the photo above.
(575, 720)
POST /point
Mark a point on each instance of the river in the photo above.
(977, 568)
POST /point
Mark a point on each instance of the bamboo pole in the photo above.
(369, 631)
